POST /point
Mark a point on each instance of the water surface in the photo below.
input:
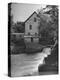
(23, 64)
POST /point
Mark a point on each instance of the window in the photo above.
(35, 34)
(31, 39)
(34, 19)
(30, 27)
(28, 33)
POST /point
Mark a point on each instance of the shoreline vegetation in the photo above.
(19, 46)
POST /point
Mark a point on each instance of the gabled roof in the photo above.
(45, 17)
(30, 16)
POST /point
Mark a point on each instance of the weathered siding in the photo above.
(34, 25)
(27, 39)
(36, 40)
(33, 31)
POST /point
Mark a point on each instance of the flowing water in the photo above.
(23, 64)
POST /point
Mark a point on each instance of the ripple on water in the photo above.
(23, 64)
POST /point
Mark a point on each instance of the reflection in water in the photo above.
(24, 64)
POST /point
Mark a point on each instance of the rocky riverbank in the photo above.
(51, 62)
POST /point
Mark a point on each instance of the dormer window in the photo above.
(34, 19)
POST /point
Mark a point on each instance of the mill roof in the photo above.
(30, 16)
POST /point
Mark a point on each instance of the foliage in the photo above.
(48, 24)
(19, 27)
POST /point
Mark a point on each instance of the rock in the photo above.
(48, 68)
(53, 58)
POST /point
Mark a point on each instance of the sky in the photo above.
(22, 11)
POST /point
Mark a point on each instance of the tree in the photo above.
(48, 23)
(19, 27)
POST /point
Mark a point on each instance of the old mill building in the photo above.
(31, 28)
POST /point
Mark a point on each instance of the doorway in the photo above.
(31, 39)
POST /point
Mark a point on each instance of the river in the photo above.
(23, 64)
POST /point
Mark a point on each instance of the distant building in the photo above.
(31, 28)
(17, 35)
